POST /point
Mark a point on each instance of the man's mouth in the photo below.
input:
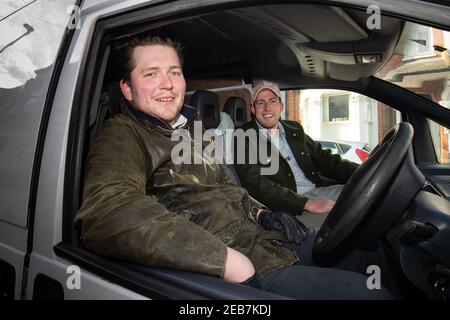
(267, 116)
(165, 99)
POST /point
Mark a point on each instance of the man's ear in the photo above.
(252, 108)
(126, 90)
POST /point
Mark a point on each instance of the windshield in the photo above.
(421, 63)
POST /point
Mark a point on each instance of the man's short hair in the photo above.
(124, 52)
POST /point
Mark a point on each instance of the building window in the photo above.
(419, 43)
(336, 108)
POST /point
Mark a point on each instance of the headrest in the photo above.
(236, 107)
(115, 96)
(207, 103)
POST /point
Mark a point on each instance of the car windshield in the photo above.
(421, 63)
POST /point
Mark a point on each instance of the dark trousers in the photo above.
(345, 280)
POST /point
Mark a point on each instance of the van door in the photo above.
(28, 48)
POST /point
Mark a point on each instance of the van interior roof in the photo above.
(289, 44)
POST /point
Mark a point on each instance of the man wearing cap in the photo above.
(296, 186)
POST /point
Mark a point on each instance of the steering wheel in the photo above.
(362, 195)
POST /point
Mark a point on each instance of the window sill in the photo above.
(337, 122)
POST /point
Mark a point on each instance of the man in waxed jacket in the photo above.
(297, 185)
(142, 205)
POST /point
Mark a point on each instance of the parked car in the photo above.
(353, 151)
(58, 84)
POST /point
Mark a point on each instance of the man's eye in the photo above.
(273, 101)
(176, 73)
(151, 74)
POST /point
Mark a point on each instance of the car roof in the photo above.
(286, 43)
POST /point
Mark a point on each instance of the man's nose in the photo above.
(166, 82)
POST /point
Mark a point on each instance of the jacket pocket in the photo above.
(228, 234)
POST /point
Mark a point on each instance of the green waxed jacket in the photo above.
(139, 206)
(278, 191)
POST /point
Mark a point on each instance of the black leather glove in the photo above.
(294, 230)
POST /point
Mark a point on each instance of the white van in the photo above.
(57, 86)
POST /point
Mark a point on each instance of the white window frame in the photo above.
(326, 110)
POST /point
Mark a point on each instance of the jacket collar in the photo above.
(187, 111)
(289, 128)
(265, 132)
(293, 134)
(291, 131)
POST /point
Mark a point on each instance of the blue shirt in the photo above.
(303, 183)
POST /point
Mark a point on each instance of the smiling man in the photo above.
(297, 186)
(156, 85)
